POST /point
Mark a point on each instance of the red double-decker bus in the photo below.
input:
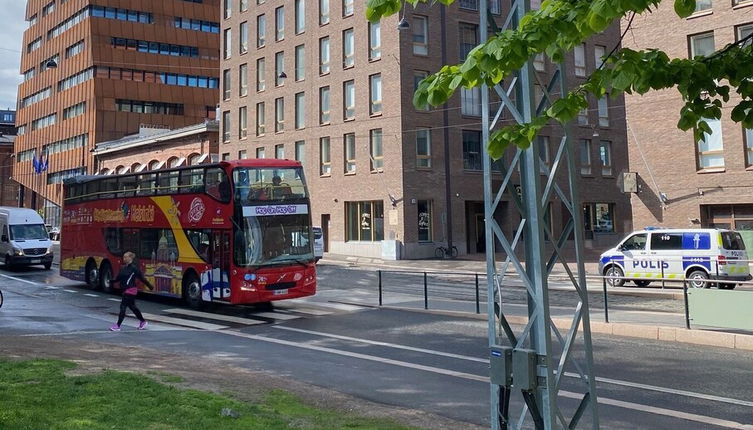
(233, 232)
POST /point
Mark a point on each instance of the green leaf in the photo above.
(684, 8)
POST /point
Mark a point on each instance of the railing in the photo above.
(424, 277)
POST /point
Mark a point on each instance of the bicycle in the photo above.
(444, 252)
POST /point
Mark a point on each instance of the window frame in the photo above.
(376, 150)
(349, 153)
(325, 163)
(426, 157)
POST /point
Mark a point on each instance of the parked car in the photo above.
(54, 234)
(697, 255)
(318, 243)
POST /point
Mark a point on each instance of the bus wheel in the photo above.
(105, 278)
(265, 306)
(91, 275)
(698, 278)
(192, 292)
(615, 276)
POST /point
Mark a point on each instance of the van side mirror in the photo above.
(622, 247)
(4, 238)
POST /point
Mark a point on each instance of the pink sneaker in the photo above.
(143, 325)
(115, 327)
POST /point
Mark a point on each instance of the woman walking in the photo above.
(127, 277)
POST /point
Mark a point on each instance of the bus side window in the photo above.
(168, 182)
(146, 184)
(127, 186)
(192, 181)
(92, 188)
(218, 185)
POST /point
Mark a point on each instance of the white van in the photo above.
(693, 254)
(318, 243)
(24, 239)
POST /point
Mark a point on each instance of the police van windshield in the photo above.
(732, 241)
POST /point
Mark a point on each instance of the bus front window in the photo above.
(268, 184)
(274, 239)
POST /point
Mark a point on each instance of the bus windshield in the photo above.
(268, 183)
(270, 239)
(28, 232)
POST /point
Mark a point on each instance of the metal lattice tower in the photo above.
(529, 367)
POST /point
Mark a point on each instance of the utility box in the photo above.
(524, 363)
(500, 361)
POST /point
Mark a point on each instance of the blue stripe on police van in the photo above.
(693, 261)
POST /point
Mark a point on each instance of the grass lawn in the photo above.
(37, 394)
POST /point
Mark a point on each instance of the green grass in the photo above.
(37, 394)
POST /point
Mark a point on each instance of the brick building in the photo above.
(153, 149)
(8, 187)
(314, 81)
(708, 183)
(96, 71)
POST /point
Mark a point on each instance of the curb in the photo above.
(737, 341)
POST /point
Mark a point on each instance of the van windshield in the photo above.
(28, 232)
(732, 241)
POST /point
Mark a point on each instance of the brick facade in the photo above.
(403, 185)
(666, 158)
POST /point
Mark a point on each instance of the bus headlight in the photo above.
(18, 251)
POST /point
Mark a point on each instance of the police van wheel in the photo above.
(642, 284)
(615, 276)
(697, 279)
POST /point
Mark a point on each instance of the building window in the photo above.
(585, 157)
(579, 53)
(260, 153)
(701, 5)
(744, 32)
(323, 12)
(543, 142)
(243, 78)
(598, 217)
(279, 115)
(375, 41)
(226, 126)
(701, 44)
(260, 119)
(324, 105)
(29, 74)
(279, 68)
(348, 7)
(418, 76)
(244, 5)
(243, 122)
(472, 155)
(364, 221)
(349, 142)
(280, 152)
(300, 16)
(226, 84)
(349, 100)
(225, 156)
(300, 62)
(44, 122)
(34, 45)
(375, 94)
(74, 49)
(468, 39)
(470, 101)
(243, 45)
(325, 162)
(324, 55)
(196, 25)
(74, 111)
(420, 29)
(261, 31)
(227, 43)
(605, 156)
(604, 112)
(583, 117)
(424, 208)
(300, 111)
(300, 152)
(376, 150)
(228, 9)
(711, 147)
(748, 146)
(348, 48)
(539, 62)
(261, 83)
(280, 23)
(242, 154)
(423, 148)
(600, 53)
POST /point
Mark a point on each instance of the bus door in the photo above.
(221, 255)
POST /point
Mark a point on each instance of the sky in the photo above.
(11, 34)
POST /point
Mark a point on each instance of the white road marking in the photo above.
(218, 317)
(305, 311)
(152, 327)
(114, 300)
(51, 288)
(438, 370)
(20, 280)
(70, 291)
(91, 295)
(275, 315)
(182, 322)
(568, 374)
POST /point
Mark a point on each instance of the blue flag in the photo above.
(35, 162)
(44, 164)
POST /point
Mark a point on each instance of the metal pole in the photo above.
(379, 272)
(687, 308)
(426, 292)
(478, 305)
(606, 304)
(662, 273)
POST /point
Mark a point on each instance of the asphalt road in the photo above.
(416, 360)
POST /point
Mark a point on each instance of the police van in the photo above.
(697, 255)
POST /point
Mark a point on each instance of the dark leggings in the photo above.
(129, 301)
